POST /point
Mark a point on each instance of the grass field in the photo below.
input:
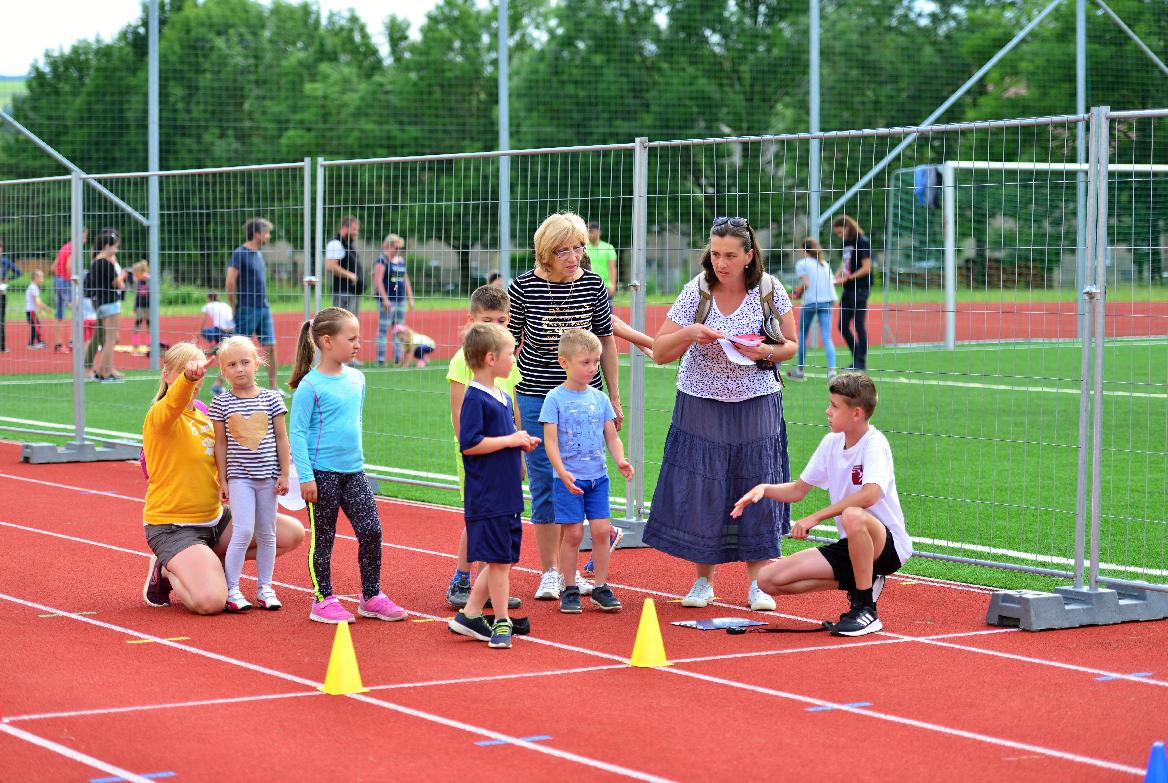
(984, 437)
(8, 89)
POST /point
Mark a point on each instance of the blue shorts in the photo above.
(257, 321)
(494, 539)
(574, 509)
(106, 310)
(63, 293)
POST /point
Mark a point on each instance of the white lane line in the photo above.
(919, 724)
(297, 694)
(595, 653)
(381, 703)
(70, 753)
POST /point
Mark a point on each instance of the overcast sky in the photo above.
(29, 28)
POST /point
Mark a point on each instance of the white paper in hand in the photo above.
(292, 501)
(732, 353)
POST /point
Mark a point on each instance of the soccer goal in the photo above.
(975, 226)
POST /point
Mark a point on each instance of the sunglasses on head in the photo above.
(736, 222)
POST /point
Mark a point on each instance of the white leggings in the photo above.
(253, 511)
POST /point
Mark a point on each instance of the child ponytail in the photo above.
(327, 323)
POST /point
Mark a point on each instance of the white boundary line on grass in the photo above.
(70, 753)
(645, 591)
(382, 703)
(889, 378)
(911, 722)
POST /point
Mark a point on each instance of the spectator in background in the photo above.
(63, 286)
(105, 284)
(34, 308)
(218, 321)
(340, 256)
(393, 292)
(818, 293)
(141, 274)
(8, 268)
(601, 258)
(495, 280)
(247, 292)
(855, 274)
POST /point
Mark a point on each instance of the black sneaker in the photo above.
(570, 600)
(458, 593)
(858, 621)
(475, 628)
(513, 602)
(501, 634)
(156, 591)
(602, 596)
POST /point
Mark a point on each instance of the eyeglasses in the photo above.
(736, 222)
(566, 252)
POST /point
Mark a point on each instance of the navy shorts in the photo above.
(836, 555)
(494, 539)
(574, 509)
(257, 321)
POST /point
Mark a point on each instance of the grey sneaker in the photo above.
(513, 602)
(796, 375)
(700, 594)
(501, 633)
(603, 597)
(570, 600)
(458, 593)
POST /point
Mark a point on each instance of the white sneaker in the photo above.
(760, 601)
(584, 585)
(700, 594)
(877, 587)
(236, 602)
(549, 586)
(266, 598)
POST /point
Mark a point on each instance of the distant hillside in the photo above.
(10, 86)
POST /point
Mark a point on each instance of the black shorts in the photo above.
(166, 541)
(494, 539)
(836, 555)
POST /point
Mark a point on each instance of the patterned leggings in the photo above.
(350, 492)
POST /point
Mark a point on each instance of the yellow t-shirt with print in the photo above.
(180, 459)
(459, 372)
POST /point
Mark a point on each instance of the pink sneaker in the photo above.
(330, 611)
(381, 607)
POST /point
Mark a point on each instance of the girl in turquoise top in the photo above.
(325, 434)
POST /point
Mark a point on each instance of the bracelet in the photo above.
(770, 354)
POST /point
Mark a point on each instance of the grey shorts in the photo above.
(166, 541)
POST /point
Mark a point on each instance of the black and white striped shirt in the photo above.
(541, 311)
(251, 433)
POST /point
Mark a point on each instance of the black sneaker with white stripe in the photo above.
(860, 620)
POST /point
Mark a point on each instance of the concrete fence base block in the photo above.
(40, 453)
(1069, 607)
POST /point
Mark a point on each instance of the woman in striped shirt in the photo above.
(557, 295)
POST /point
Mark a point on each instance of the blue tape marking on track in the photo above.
(535, 738)
(826, 707)
(151, 775)
(1110, 677)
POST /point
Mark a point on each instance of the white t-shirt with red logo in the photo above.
(844, 472)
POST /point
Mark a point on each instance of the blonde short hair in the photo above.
(557, 230)
(482, 339)
(574, 342)
(237, 342)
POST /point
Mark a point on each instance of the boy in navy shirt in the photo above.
(490, 447)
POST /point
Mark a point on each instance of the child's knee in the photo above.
(854, 520)
(573, 534)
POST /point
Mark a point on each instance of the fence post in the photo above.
(949, 225)
(1099, 170)
(635, 490)
(76, 227)
(319, 251)
(309, 280)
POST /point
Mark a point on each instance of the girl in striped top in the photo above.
(252, 455)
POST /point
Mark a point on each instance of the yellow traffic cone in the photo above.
(343, 676)
(649, 649)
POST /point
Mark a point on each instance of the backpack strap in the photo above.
(705, 300)
(766, 292)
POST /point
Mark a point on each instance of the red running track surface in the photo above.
(939, 695)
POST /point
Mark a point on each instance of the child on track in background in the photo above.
(141, 274)
(34, 308)
(251, 453)
(488, 305)
(494, 491)
(415, 345)
(854, 464)
(578, 420)
(326, 446)
(817, 289)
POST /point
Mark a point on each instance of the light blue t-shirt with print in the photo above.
(324, 429)
(579, 417)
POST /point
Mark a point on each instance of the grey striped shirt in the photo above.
(251, 433)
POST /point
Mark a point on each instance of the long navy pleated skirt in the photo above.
(714, 453)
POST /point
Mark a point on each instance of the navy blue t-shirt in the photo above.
(854, 253)
(251, 287)
(493, 481)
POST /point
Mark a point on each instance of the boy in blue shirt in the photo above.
(493, 491)
(577, 422)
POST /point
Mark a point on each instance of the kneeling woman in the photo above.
(186, 527)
